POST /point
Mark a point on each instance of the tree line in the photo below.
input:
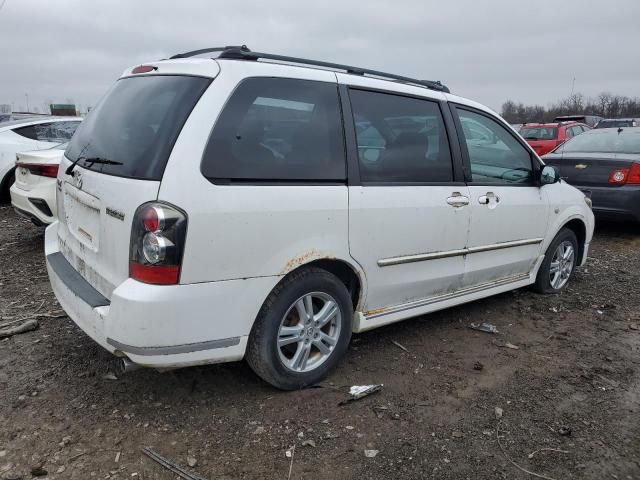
(606, 105)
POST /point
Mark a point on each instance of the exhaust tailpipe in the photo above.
(124, 365)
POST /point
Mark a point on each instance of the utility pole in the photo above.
(573, 85)
(27, 97)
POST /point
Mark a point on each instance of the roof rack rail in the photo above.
(242, 52)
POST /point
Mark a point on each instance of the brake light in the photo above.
(144, 69)
(626, 176)
(151, 219)
(157, 244)
(634, 174)
(40, 169)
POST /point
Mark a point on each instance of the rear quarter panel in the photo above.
(244, 231)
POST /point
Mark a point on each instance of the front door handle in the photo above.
(457, 200)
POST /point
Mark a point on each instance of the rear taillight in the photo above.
(157, 243)
(634, 174)
(42, 170)
(626, 176)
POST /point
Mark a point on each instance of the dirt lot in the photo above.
(570, 394)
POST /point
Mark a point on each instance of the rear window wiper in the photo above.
(91, 160)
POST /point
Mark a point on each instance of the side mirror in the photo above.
(549, 175)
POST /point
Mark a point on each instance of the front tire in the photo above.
(302, 330)
(559, 263)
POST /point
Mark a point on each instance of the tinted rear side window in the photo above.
(276, 129)
(27, 132)
(137, 124)
(400, 139)
(55, 132)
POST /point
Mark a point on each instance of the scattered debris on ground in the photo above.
(27, 326)
(484, 327)
(400, 346)
(170, 465)
(360, 391)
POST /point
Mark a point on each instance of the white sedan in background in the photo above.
(33, 194)
(28, 135)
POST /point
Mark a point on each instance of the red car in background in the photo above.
(544, 137)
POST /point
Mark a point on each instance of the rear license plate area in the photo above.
(82, 215)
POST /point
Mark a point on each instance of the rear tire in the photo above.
(291, 348)
(559, 263)
(5, 185)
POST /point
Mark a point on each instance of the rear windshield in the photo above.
(136, 125)
(608, 141)
(615, 123)
(539, 133)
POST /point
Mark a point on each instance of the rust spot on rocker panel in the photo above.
(375, 311)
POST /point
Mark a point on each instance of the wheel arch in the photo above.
(579, 228)
(349, 274)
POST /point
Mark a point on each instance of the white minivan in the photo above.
(266, 207)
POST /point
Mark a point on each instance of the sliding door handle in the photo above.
(488, 198)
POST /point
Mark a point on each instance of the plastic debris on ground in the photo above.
(360, 391)
(484, 327)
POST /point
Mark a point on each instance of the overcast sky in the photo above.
(487, 50)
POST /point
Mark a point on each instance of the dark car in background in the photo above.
(605, 165)
(617, 123)
(544, 137)
(591, 120)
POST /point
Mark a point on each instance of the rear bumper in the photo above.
(160, 326)
(615, 203)
(23, 202)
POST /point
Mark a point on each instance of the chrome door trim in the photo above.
(446, 296)
(421, 257)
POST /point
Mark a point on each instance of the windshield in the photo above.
(539, 133)
(136, 124)
(607, 141)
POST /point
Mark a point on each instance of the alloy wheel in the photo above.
(309, 332)
(561, 265)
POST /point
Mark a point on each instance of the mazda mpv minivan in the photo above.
(265, 207)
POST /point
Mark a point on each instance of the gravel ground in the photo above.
(569, 394)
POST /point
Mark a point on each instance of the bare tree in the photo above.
(605, 104)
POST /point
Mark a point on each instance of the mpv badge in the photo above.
(115, 213)
(581, 166)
